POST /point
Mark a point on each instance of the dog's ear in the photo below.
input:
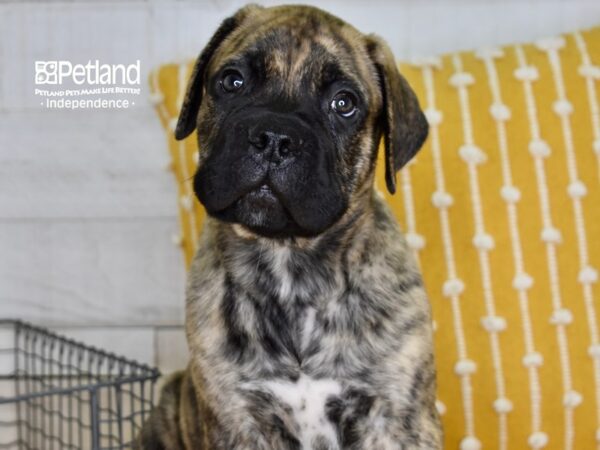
(404, 124)
(194, 91)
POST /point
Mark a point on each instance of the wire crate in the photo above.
(58, 394)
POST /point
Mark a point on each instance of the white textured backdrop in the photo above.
(87, 207)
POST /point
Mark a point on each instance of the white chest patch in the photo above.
(307, 397)
(308, 327)
(281, 256)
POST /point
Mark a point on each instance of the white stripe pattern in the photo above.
(576, 190)
(187, 200)
(550, 235)
(453, 287)
(590, 72)
(157, 99)
(474, 156)
(511, 194)
(414, 240)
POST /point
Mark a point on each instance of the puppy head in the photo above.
(290, 104)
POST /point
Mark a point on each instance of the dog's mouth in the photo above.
(262, 197)
(266, 211)
(263, 193)
(261, 211)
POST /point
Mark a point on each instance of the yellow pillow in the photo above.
(502, 209)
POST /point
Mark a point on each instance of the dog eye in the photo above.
(344, 103)
(232, 81)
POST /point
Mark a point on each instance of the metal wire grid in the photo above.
(56, 393)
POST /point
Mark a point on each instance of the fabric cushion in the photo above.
(502, 209)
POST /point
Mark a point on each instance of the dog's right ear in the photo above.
(186, 123)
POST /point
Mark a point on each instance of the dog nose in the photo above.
(274, 146)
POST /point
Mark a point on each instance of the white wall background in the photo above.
(87, 207)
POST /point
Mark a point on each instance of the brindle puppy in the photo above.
(307, 320)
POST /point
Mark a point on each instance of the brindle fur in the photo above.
(249, 295)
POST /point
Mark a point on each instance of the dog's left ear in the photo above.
(404, 124)
(186, 123)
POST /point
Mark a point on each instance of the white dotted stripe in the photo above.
(588, 275)
(483, 242)
(549, 231)
(186, 172)
(591, 73)
(414, 240)
(576, 190)
(157, 99)
(522, 281)
(456, 284)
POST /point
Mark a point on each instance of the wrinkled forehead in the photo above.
(303, 52)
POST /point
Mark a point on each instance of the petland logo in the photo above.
(64, 85)
(92, 73)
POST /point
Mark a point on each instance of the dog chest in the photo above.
(306, 397)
